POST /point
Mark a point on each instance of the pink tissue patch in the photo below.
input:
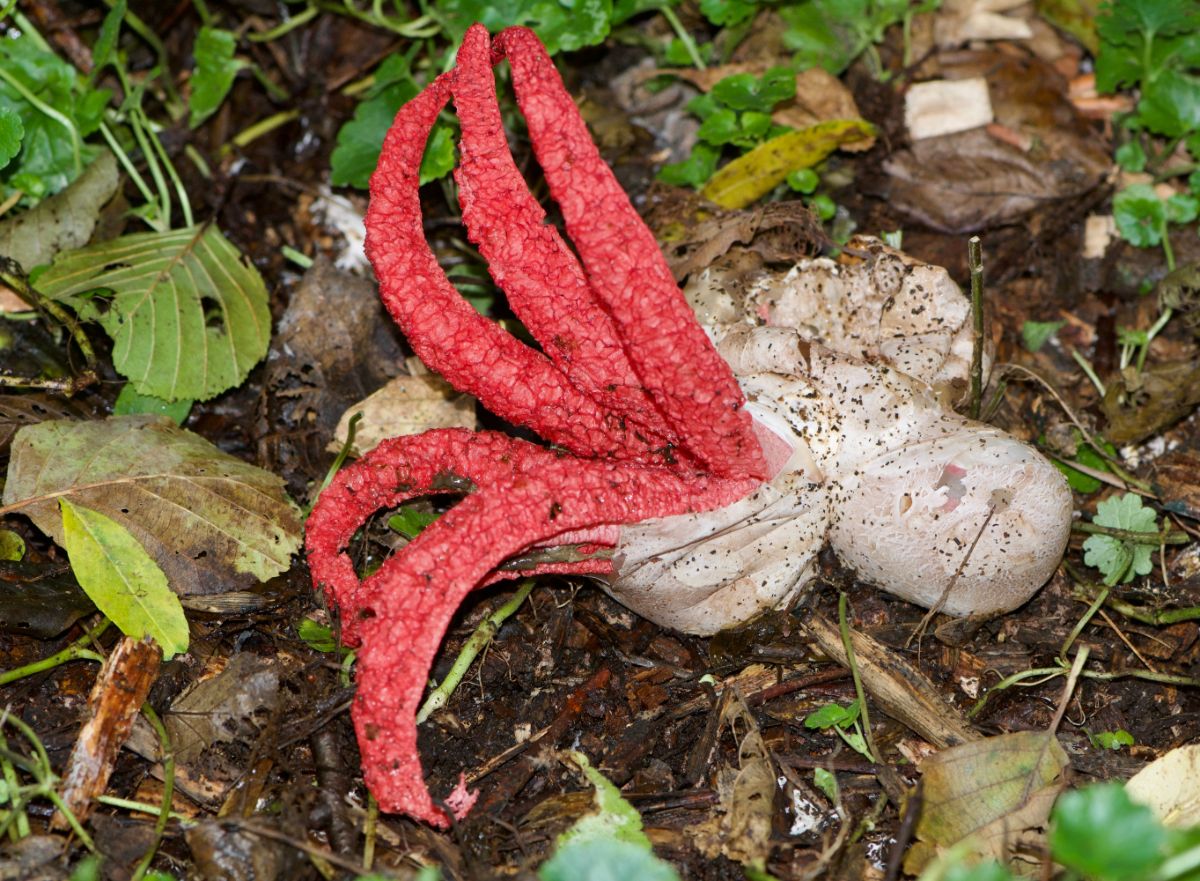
(951, 479)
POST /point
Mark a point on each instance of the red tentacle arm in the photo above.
(542, 279)
(473, 354)
(678, 365)
(526, 494)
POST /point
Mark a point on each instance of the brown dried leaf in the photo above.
(212, 522)
(988, 791)
(406, 405)
(1139, 404)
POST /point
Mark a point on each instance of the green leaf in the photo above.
(693, 171)
(130, 403)
(826, 781)
(411, 522)
(1111, 739)
(608, 845)
(745, 91)
(213, 522)
(121, 579)
(562, 25)
(1085, 454)
(724, 13)
(1182, 208)
(987, 870)
(1141, 216)
(1102, 834)
(1035, 334)
(12, 130)
(719, 128)
(825, 33)
(605, 859)
(832, 716)
(106, 42)
(12, 546)
(317, 637)
(823, 205)
(1121, 561)
(360, 140)
(214, 74)
(187, 313)
(1170, 104)
(803, 180)
(47, 160)
(1130, 156)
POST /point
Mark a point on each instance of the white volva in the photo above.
(849, 370)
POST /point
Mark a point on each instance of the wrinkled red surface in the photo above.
(626, 381)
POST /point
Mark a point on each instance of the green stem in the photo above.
(160, 182)
(76, 651)
(975, 262)
(21, 828)
(185, 204)
(684, 37)
(1089, 371)
(126, 163)
(852, 663)
(175, 105)
(1154, 330)
(1166, 537)
(164, 814)
(285, 27)
(1080, 624)
(475, 643)
(257, 130)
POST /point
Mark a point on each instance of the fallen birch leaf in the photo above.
(212, 522)
(750, 177)
(62, 222)
(1170, 787)
(122, 580)
(406, 405)
(989, 791)
(17, 411)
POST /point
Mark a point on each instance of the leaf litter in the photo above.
(1028, 182)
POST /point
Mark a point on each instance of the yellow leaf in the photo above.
(750, 177)
(122, 579)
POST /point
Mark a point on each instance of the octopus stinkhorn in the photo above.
(709, 463)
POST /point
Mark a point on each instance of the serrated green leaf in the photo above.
(1101, 833)
(186, 312)
(1121, 561)
(12, 130)
(121, 579)
(1127, 512)
(213, 522)
(214, 74)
